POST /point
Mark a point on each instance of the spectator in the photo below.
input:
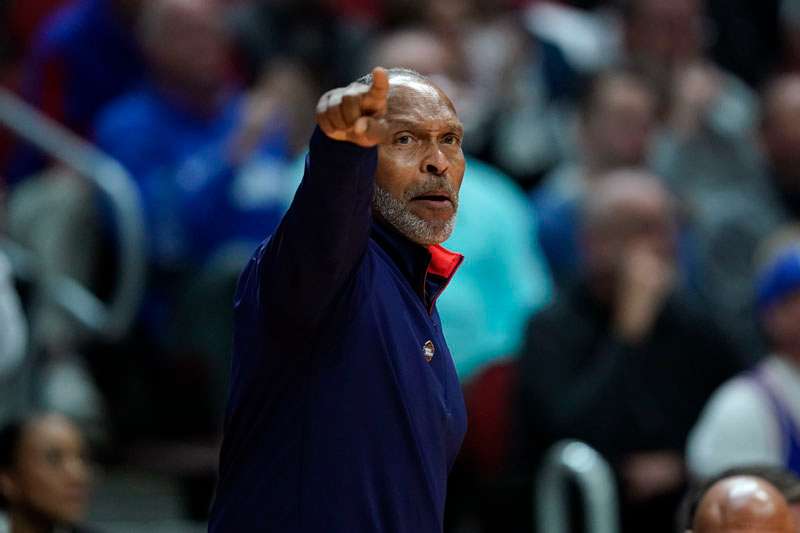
(13, 334)
(188, 137)
(602, 364)
(780, 135)
(208, 160)
(500, 257)
(84, 56)
(710, 117)
(743, 504)
(752, 419)
(617, 121)
(44, 475)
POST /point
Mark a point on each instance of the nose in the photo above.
(434, 161)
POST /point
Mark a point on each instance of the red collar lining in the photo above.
(444, 263)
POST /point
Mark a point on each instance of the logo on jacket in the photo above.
(428, 350)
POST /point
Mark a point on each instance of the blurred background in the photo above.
(628, 217)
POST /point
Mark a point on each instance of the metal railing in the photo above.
(575, 461)
(107, 319)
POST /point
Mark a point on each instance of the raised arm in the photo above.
(325, 232)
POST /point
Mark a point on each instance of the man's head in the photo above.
(624, 211)
(778, 292)
(186, 44)
(663, 34)
(421, 165)
(784, 480)
(43, 470)
(743, 504)
(780, 129)
(618, 118)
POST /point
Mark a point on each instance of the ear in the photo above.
(8, 487)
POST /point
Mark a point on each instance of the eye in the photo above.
(403, 138)
(451, 138)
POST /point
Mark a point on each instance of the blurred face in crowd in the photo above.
(665, 33)
(781, 323)
(618, 127)
(781, 130)
(627, 211)
(50, 476)
(743, 504)
(420, 171)
(186, 43)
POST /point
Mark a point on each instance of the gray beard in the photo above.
(418, 230)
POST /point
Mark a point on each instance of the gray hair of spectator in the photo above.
(785, 481)
(603, 196)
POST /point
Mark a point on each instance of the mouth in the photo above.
(434, 200)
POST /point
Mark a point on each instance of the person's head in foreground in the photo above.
(778, 296)
(743, 504)
(418, 134)
(44, 474)
(782, 479)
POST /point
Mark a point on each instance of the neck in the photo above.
(25, 521)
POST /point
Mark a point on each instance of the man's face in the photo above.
(421, 168)
(619, 131)
(193, 50)
(781, 321)
(51, 476)
(781, 133)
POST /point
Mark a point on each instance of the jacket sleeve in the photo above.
(321, 239)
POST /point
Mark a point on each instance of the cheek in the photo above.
(394, 174)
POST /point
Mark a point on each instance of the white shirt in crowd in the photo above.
(739, 427)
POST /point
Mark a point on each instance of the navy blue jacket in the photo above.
(339, 420)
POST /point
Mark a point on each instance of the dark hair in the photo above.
(10, 437)
(366, 79)
(782, 479)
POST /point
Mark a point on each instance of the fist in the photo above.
(354, 113)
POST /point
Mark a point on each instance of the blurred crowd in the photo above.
(629, 218)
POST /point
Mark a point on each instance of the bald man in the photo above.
(624, 360)
(743, 504)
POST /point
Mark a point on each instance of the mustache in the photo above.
(434, 184)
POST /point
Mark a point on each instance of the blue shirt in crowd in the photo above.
(345, 413)
(83, 57)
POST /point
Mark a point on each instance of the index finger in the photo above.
(376, 96)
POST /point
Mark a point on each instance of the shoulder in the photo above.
(735, 428)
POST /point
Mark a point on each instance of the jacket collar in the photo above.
(428, 269)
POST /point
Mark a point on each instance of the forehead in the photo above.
(418, 102)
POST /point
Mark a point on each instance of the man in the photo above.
(502, 257)
(753, 419)
(345, 411)
(784, 481)
(616, 127)
(624, 360)
(84, 56)
(743, 504)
